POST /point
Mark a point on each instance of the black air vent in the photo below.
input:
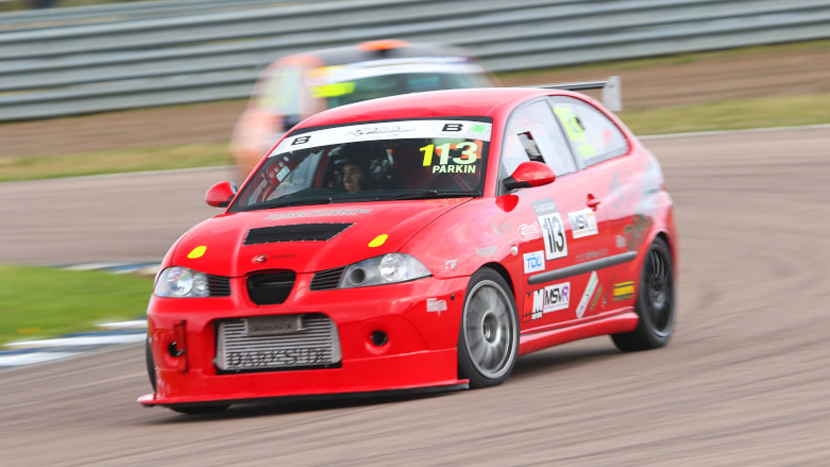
(294, 233)
(327, 280)
(271, 288)
(219, 286)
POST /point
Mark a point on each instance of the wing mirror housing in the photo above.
(220, 194)
(529, 174)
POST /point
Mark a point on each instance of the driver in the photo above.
(352, 171)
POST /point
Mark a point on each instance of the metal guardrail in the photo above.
(144, 54)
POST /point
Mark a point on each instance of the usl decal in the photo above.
(583, 223)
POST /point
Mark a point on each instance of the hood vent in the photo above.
(294, 233)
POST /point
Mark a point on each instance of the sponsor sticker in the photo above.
(552, 298)
(583, 223)
(553, 233)
(623, 290)
(529, 232)
(435, 305)
(410, 129)
(534, 261)
(487, 251)
(596, 299)
(544, 206)
(318, 213)
(586, 296)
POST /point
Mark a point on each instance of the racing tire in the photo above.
(151, 366)
(655, 302)
(488, 338)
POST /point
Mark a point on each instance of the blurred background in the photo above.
(172, 78)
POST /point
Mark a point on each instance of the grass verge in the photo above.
(731, 115)
(37, 302)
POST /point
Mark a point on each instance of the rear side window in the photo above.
(533, 135)
(593, 136)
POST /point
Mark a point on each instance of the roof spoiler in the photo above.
(611, 90)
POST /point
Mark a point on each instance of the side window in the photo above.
(592, 135)
(533, 135)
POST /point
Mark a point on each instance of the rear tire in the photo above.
(488, 338)
(655, 302)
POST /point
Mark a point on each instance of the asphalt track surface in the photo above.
(744, 382)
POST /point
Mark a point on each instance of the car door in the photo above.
(603, 151)
(551, 294)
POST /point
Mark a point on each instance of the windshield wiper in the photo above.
(281, 203)
(430, 194)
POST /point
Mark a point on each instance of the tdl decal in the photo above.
(534, 261)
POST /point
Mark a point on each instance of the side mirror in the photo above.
(529, 174)
(220, 194)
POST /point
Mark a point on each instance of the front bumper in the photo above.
(420, 350)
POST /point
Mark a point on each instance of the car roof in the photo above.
(445, 103)
(378, 50)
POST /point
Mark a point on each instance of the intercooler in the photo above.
(277, 342)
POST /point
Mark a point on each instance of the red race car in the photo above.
(412, 242)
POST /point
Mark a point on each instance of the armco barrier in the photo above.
(133, 55)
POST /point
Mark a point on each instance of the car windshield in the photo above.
(359, 81)
(392, 85)
(386, 161)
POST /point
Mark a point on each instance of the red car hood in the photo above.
(304, 238)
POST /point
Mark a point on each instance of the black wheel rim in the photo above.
(658, 288)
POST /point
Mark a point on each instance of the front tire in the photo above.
(199, 409)
(151, 366)
(488, 340)
(655, 302)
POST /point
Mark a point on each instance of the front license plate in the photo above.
(272, 325)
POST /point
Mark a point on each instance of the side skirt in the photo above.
(618, 323)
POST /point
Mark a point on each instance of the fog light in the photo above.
(379, 338)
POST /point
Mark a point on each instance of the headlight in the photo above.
(386, 269)
(178, 282)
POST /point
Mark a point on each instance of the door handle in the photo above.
(593, 202)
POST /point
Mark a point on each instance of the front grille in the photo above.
(327, 280)
(245, 345)
(218, 286)
(271, 288)
(294, 233)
